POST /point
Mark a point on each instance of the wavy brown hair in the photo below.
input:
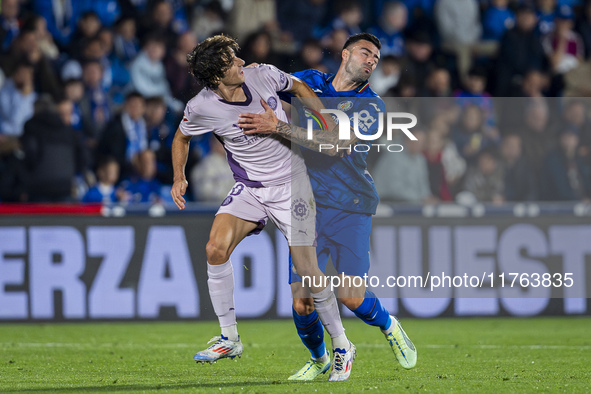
(211, 58)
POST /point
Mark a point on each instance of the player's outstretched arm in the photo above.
(309, 99)
(268, 123)
(180, 153)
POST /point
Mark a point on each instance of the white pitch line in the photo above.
(94, 345)
(533, 347)
(75, 345)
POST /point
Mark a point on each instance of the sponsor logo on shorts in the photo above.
(272, 102)
(300, 210)
(227, 201)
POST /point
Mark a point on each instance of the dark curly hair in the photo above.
(211, 58)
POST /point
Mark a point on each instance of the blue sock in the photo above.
(372, 312)
(311, 332)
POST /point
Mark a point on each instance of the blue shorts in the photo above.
(342, 236)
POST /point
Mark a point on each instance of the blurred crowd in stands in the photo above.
(91, 93)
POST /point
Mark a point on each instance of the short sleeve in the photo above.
(192, 123)
(279, 80)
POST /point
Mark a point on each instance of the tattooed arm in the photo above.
(323, 141)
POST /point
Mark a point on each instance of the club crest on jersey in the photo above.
(272, 102)
(345, 105)
(300, 210)
(227, 201)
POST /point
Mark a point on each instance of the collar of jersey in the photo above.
(359, 88)
(241, 103)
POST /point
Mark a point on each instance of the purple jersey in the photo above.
(256, 160)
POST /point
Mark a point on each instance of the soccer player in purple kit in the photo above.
(269, 175)
(346, 199)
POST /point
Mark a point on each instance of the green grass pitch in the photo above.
(465, 355)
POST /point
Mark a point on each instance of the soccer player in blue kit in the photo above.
(346, 199)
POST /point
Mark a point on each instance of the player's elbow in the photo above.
(181, 139)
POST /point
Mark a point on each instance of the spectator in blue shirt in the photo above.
(546, 12)
(160, 135)
(332, 57)
(389, 30)
(497, 19)
(474, 93)
(570, 3)
(17, 99)
(161, 20)
(104, 191)
(87, 27)
(125, 137)
(471, 135)
(349, 16)
(417, 9)
(148, 75)
(9, 25)
(180, 21)
(143, 186)
(61, 17)
(125, 42)
(96, 98)
(107, 11)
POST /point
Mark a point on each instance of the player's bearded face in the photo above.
(363, 59)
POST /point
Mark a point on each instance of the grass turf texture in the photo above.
(468, 355)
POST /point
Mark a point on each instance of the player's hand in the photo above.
(179, 188)
(265, 123)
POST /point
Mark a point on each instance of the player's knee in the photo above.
(303, 306)
(351, 303)
(217, 252)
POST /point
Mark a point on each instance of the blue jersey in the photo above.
(344, 182)
(495, 22)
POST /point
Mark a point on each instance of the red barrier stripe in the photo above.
(51, 209)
